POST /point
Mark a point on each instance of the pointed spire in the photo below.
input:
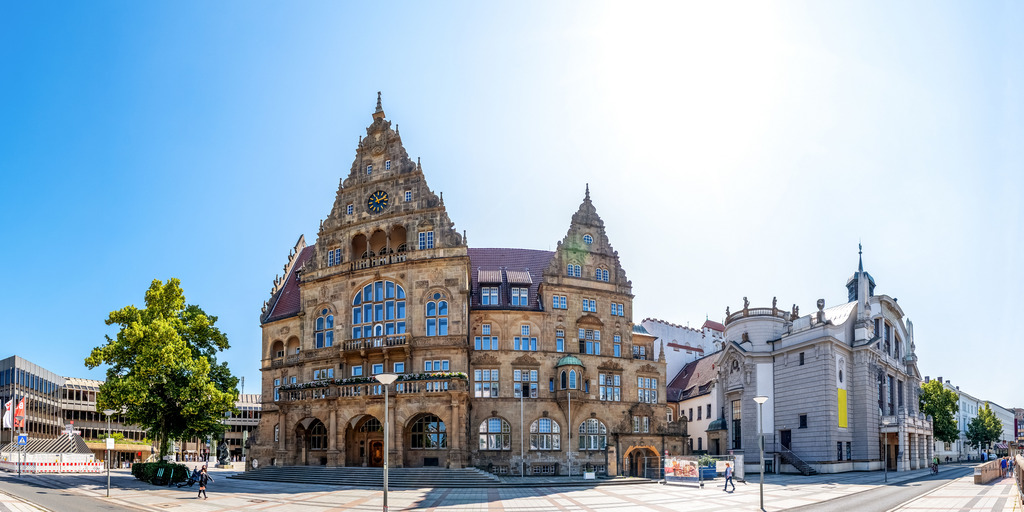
(860, 256)
(586, 196)
(379, 108)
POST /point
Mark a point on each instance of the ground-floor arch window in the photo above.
(429, 433)
(495, 434)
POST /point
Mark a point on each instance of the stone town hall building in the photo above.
(499, 351)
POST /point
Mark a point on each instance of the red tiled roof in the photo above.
(287, 301)
(715, 326)
(525, 260)
(692, 377)
(686, 347)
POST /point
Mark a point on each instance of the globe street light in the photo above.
(386, 379)
(760, 436)
(885, 457)
(110, 442)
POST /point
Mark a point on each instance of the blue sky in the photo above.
(733, 149)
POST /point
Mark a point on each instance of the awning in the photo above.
(1001, 446)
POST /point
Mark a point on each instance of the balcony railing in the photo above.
(327, 390)
(376, 342)
(377, 261)
(743, 313)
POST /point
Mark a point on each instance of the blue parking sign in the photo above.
(22, 439)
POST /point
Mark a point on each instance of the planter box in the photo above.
(708, 473)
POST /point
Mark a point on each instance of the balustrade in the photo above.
(328, 389)
(376, 342)
(377, 261)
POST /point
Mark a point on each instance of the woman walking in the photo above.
(204, 478)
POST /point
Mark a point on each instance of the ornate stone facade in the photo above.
(391, 287)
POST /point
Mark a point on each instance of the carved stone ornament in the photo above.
(284, 330)
(525, 360)
(647, 368)
(609, 365)
(485, 359)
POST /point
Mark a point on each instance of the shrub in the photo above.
(146, 471)
(705, 461)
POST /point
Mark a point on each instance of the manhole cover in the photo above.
(257, 501)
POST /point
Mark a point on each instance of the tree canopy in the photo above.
(163, 372)
(942, 404)
(984, 428)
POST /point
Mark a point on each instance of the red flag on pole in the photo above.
(8, 414)
(19, 414)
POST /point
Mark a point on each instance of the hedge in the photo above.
(146, 471)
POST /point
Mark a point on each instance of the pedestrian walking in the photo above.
(1002, 465)
(204, 478)
(728, 478)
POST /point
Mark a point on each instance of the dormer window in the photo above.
(520, 296)
(587, 239)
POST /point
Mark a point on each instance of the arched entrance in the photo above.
(364, 442)
(642, 461)
(311, 437)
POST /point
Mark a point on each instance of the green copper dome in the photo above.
(569, 360)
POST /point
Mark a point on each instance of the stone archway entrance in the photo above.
(364, 442)
(311, 438)
(643, 461)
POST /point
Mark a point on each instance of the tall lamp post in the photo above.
(885, 457)
(110, 443)
(386, 379)
(760, 437)
(522, 433)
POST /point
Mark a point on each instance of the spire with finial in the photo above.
(860, 257)
(379, 113)
(587, 195)
(853, 284)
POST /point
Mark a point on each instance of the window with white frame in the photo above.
(426, 239)
(524, 341)
(669, 416)
(590, 341)
(485, 383)
(495, 434)
(324, 329)
(399, 367)
(378, 310)
(641, 424)
(609, 387)
(601, 274)
(357, 370)
(639, 352)
(647, 389)
(617, 345)
(545, 434)
(277, 389)
(617, 309)
(349, 209)
(387, 165)
(573, 270)
(488, 295)
(486, 342)
(587, 239)
(520, 296)
(560, 340)
(437, 365)
(376, 368)
(408, 196)
(593, 435)
(369, 169)
(559, 302)
(323, 373)
(524, 383)
(590, 305)
(437, 316)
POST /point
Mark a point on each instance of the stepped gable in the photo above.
(286, 302)
(693, 379)
(574, 249)
(512, 267)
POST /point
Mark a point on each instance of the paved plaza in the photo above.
(781, 492)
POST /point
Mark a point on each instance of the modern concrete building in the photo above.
(508, 358)
(841, 384)
(41, 389)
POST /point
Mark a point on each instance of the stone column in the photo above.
(397, 442)
(915, 458)
(902, 463)
(930, 447)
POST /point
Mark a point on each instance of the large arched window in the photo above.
(371, 425)
(495, 434)
(544, 435)
(318, 437)
(324, 329)
(437, 316)
(378, 310)
(429, 433)
(593, 435)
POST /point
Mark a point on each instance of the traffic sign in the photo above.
(22, 439)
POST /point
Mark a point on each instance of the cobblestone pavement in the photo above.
(781, 492)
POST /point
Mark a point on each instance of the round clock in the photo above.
(377, 201)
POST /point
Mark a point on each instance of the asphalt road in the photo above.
(889, 496)
(57, 500)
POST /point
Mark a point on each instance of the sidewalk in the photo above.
(962, 494)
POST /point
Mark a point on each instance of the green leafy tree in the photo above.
(942, 404)
(984, 428)
(163, 371)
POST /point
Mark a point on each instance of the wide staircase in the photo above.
(408, 478)
(790, 458)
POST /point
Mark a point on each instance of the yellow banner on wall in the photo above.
(842, 408)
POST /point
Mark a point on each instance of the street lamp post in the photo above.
(522, 433)
(885, 457)
(109, 442)
(386, 379)
(760, 436)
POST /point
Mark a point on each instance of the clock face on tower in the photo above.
(377, 201)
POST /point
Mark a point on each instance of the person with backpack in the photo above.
(204, 478)
(728, 478)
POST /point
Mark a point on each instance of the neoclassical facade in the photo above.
(507, 358)
(842, 385)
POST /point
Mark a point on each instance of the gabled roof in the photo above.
(507, 267)
(694, 379)
(715, 326)
(287, 301)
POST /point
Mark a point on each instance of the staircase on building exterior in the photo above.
(409, 478)
(791, 458)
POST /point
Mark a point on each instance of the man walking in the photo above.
(728, 478)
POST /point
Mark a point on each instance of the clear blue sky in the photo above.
(732, 149)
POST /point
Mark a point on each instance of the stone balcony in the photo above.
(379, 261)
(376, 342)
(753, 312)
(370, 388)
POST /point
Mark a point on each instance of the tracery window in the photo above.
(573, 270)
(379, 310)
(593, 435)
(545, 435)
(495, 434)
(601, 274)
(429, 433)
(324, 329)
(437, 316)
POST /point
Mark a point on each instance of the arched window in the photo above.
(572, 379)
(544, 435)
(587, 239)
(378, 310)
(700, 443)
(437, 316)
(495, 434)
(428, 433)
(371, 425)
(324, 329)
(593, 435)
(573, 270)
(318, 437)
(601, 274)
(563, 379)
